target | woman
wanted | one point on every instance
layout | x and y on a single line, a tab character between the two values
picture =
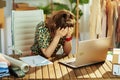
55	32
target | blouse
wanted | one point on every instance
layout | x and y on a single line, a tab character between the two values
43	39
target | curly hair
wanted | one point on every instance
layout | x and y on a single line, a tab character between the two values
60	19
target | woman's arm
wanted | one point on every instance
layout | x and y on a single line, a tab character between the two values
68	42
49	51
67	47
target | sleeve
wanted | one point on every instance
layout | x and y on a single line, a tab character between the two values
42	36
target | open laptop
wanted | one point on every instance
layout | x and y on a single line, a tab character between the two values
89	52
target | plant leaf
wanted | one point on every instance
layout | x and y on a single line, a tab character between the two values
58	6
83	1
46	9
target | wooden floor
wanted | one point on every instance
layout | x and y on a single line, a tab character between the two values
55	71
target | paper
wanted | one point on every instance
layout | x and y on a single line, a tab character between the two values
14	62
36	60
116	70
117	51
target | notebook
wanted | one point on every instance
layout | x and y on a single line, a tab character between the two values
89	52
36	60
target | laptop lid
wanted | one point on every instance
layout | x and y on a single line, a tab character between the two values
90	52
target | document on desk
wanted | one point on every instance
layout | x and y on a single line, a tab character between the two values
36	60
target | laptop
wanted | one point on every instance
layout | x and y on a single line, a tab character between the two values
89	52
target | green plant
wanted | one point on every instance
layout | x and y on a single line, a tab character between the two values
58	6
81	2
46	9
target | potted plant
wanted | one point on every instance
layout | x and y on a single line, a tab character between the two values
58	6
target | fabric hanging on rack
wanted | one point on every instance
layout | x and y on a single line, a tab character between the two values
109	7
118	26
117	29
95	19
112	19
104	18
115	21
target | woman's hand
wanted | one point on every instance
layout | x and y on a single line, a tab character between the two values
51	48
61	32
69	32
67	45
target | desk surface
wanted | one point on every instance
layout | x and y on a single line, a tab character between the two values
58	71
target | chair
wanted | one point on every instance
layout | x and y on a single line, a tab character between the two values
23	28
